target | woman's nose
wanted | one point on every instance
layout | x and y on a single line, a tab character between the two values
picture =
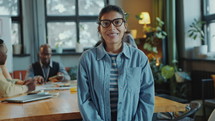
112	26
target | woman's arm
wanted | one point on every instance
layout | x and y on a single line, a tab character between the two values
86	106
8	89
146	101
5	72
8	76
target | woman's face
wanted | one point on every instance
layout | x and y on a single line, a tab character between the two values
3	55
113	33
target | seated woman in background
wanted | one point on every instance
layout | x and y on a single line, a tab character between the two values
8	86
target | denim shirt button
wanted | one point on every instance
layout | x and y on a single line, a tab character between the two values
120	102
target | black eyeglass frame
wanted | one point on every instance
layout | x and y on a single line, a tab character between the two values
111	21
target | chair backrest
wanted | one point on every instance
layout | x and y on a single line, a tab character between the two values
193	107
207	93
19	74
212	116
207	88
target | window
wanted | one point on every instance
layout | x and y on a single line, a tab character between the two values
210	7
12	8
72	21
209	17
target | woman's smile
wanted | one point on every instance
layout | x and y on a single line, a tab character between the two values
112	34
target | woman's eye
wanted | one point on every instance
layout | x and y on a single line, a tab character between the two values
118	22
106	23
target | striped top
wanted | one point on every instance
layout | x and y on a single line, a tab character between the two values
113	83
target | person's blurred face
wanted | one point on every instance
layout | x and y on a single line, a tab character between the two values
112	27
45	55
3	54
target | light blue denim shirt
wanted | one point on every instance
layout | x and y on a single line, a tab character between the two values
135	85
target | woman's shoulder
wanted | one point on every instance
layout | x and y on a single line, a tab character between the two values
88	53
137	53
136	50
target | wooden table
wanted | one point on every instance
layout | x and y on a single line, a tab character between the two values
63	107
166	105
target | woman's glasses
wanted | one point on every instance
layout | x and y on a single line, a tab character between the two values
116	22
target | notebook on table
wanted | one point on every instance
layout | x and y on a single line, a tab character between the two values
28	98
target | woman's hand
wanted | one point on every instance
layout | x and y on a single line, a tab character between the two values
31	84
20	82
60	76
57	78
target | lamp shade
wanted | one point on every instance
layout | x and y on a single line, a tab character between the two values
145	18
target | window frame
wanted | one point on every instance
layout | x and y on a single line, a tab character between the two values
208	18
71	18
18	19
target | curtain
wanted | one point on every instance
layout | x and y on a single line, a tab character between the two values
170	20
166	11
157	10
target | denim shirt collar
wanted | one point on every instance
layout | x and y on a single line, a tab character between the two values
101	52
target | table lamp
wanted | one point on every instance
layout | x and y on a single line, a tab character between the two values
144	19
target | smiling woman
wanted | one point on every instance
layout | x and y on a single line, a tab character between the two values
114	77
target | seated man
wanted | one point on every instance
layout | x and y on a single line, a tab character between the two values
8	86
45	69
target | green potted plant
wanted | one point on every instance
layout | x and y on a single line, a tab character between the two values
196	33
153	34
169	78
58	46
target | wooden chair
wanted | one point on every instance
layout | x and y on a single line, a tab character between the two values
19	74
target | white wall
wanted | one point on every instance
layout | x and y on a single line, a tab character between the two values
67	60
23	63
